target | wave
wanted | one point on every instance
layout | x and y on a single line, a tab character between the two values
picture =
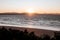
29	22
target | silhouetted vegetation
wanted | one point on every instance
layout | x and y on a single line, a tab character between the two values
11	34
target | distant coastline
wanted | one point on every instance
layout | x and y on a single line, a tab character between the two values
15	13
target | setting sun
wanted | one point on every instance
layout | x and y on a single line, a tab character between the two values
30	10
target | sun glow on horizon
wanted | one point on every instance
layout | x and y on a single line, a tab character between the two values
30	11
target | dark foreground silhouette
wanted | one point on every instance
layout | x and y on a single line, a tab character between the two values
24	35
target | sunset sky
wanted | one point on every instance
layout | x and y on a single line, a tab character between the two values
39	6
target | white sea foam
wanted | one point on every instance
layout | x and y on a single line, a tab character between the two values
24	21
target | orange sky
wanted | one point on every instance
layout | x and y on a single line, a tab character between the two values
38	6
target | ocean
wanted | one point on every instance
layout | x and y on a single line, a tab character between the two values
47	22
